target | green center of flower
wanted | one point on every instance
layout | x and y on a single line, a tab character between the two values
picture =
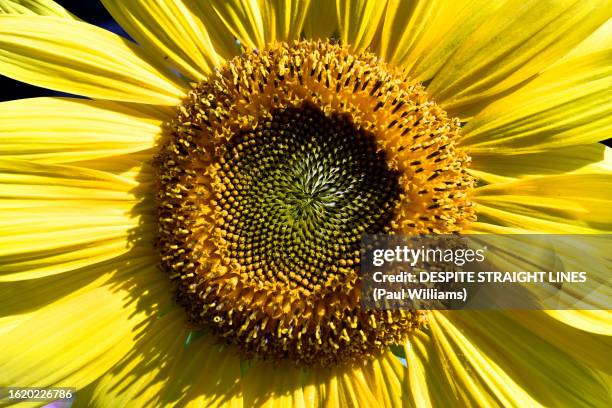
277	165
300	191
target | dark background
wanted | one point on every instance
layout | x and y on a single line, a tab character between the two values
88	10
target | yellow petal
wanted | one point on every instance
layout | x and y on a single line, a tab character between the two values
137	264
593	321
493	168
283	19
435	37
494	46
519	250
493	216
386	376
358	21
475	378
78	58
539	369
377	383
418	374
429	380
602	166
255	23
321	21
268	386
243	19
403	25
600	39
565	106
75	340
162	369
581	200
33	7
58	218
460	374
171	30
584	346
63	130
221	35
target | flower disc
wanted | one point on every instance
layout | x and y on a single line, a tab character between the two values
277	166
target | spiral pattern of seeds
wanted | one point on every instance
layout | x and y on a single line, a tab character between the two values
302	189
277	165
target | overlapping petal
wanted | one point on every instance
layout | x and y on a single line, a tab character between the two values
88	61
358	21
568	203
458	372
539	368
171	30
242	20
495	168
64	130
34	7
583	345
475	56
284	19
567	105
165	368
85	333
403	25
321	21
379	382
57	219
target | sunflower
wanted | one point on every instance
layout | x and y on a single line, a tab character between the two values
188	232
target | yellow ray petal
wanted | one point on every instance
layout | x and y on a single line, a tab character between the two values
283	19
489	215
421	391
267	386
548	374
565	106
386	377
164	368
33	7
46	290
254	23
244	20
403	25
490	166
582	200
584	346
514	249
601	166
63	130
434	38
221	36
355	390
430	379
171	31
377	383
600	39
75	57
321	21
476	379
58	218
491	47
75	340
358	21
594	321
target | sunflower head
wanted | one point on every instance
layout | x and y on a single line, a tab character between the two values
278	164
